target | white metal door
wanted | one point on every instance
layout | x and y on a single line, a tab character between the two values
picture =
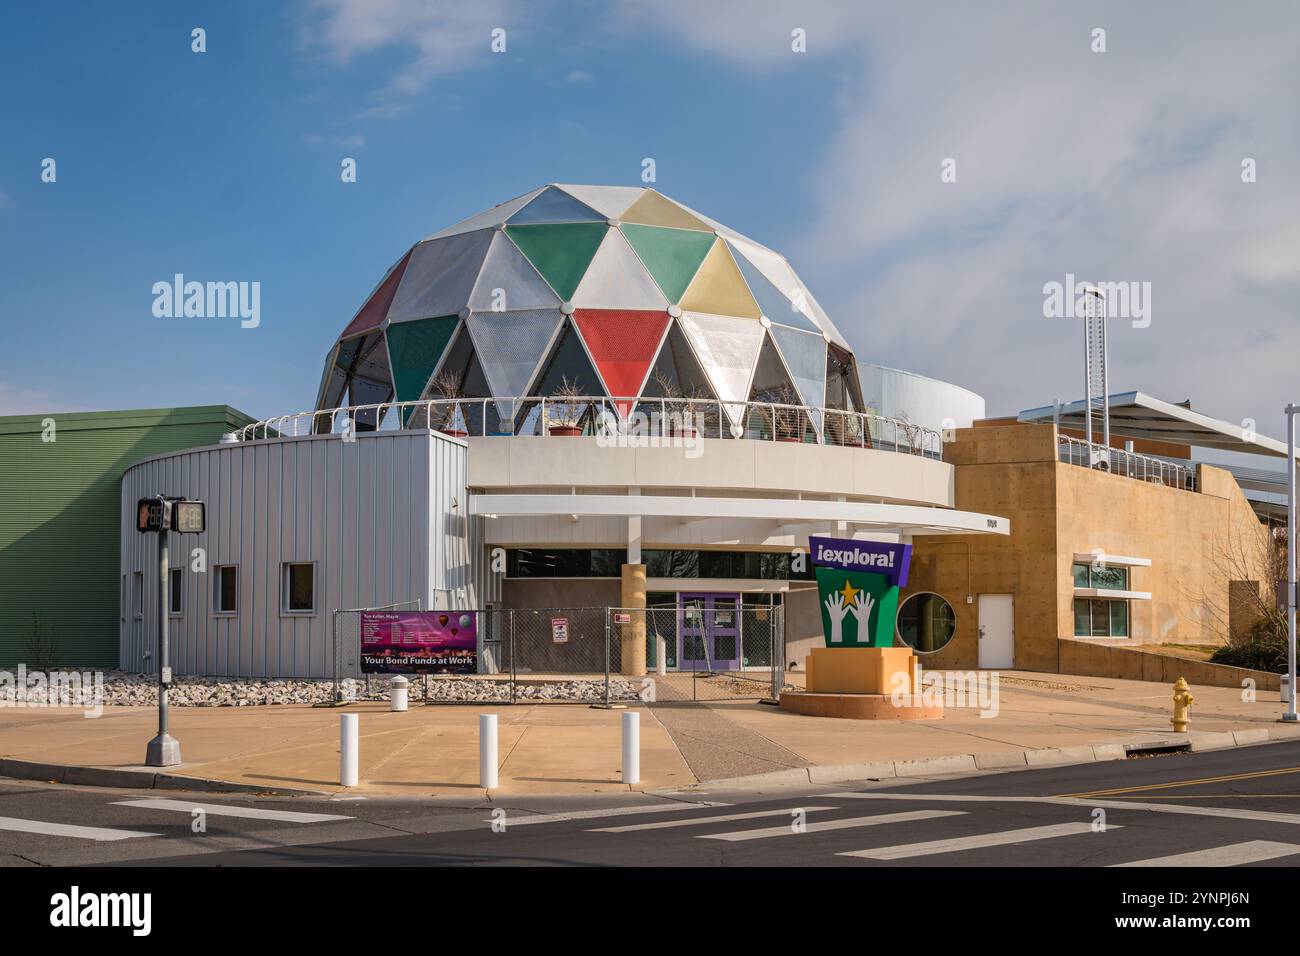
997	632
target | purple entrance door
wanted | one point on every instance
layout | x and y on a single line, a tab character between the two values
708	626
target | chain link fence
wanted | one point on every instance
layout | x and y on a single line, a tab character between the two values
594	655
698	653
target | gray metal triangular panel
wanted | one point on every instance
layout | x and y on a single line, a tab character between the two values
609	201
489	217
440	276
804	354
512	345
506	268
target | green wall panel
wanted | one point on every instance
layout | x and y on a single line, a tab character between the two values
59	521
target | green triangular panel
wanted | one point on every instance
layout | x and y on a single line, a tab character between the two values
561	252
414	349
672	256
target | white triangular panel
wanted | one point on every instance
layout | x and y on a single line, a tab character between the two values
727	349
609	201
491	217
520	285
780	274
616	279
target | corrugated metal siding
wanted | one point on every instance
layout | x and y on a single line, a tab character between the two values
364	512
59	516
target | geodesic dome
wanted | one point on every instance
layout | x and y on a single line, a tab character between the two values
617	289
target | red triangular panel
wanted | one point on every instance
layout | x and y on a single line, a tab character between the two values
373	312
623	343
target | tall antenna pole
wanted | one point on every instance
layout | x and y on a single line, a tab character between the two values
1096	387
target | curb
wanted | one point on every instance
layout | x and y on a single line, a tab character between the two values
967	764
143	779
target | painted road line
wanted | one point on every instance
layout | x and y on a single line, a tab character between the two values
1235	854
905	851
1193	782
69	830
1260	816
737	836
522	819
697	821
228	810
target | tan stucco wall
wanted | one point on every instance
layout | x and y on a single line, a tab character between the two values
1091	659
1057	510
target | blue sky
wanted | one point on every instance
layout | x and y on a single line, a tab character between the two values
225	166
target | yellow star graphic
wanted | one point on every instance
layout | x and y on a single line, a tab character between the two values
850	593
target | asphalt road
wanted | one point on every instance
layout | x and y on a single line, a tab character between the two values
1238	807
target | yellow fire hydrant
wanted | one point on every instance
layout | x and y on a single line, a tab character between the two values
1182	700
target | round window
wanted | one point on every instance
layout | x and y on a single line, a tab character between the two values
926	623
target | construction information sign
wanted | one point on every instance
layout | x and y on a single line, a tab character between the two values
419	642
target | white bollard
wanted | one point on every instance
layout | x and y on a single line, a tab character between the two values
397	691
631	747
487	751
349	749
661	655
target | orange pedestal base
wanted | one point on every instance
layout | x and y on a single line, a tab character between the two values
855	707
859	683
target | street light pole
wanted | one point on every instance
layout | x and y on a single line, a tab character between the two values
164	750
1291	410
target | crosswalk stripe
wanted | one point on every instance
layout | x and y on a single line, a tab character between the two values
1234	854
737	836
905	851
696	821
100	834
523	819
227	810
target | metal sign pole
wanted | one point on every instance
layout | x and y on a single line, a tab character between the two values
1291	410
164	750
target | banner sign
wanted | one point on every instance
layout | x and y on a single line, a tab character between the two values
857	584
891	560
419	642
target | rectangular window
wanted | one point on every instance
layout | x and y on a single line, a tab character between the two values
175	591
1082	618
1118	618
122	598
299	588
1100	618
225	600
1110	579
139	594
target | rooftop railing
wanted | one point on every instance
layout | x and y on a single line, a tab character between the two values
1076	451
658	419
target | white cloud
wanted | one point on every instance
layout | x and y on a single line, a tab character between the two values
437	36
578	76
1114	166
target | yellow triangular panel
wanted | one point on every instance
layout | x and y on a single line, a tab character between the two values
719	288
653	209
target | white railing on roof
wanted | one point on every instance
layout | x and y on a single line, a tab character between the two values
677	418
1076	451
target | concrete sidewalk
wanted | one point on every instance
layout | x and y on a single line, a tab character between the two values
557	748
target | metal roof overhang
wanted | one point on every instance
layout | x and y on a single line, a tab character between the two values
1137	415
913	519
